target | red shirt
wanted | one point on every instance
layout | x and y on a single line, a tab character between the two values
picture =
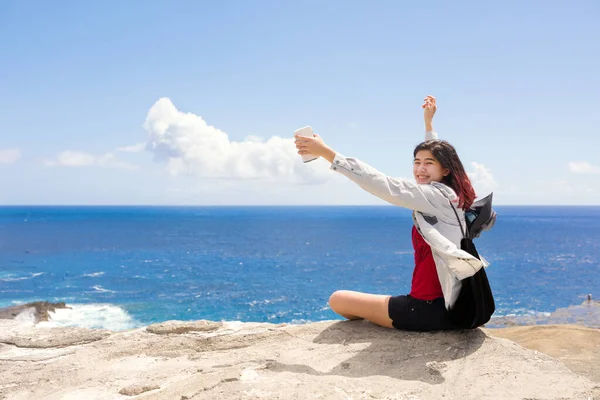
425	281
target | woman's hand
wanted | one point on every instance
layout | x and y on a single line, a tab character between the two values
315	146
429	108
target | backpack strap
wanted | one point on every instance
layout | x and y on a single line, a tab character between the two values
462	231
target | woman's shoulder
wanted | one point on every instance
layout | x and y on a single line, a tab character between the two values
444	193
445	190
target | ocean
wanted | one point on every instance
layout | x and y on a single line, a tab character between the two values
124	267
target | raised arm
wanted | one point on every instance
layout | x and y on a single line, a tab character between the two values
429	109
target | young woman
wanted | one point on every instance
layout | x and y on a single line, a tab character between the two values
438	199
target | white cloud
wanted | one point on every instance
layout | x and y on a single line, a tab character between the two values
70	158
9	156
482	179
189	146
583	167
136	148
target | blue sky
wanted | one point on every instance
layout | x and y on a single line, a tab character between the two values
148	102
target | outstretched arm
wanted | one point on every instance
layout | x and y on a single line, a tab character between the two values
399	192
429	109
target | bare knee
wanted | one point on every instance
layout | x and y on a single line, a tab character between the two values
338	301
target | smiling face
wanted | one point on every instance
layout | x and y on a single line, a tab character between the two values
427	169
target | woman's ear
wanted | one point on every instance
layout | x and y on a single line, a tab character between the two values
446	172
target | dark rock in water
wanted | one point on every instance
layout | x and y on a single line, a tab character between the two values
42	308
585	314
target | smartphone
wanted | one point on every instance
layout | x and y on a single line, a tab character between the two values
308	132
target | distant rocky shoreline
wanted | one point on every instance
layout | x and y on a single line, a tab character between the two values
585	314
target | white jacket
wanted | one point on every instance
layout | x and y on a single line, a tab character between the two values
433	216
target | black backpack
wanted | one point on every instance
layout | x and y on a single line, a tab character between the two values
475	304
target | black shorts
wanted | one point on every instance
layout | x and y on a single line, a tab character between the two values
410	314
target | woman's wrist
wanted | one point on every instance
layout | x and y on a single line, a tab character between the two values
328	154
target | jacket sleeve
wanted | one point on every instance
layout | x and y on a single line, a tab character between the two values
399	192
431	135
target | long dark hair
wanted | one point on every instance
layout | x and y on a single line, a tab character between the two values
457	179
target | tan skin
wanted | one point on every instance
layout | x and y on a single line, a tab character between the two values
426	169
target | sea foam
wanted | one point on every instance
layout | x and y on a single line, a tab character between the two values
93	316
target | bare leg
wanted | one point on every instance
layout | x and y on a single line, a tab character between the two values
357	305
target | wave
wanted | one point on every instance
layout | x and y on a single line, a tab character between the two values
92	316
100	289
26	317
522	312
21	278
300	321
278	315
267	301
94	274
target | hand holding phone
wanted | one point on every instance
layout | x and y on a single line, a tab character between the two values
307	131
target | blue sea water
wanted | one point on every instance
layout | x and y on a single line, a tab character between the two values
122	267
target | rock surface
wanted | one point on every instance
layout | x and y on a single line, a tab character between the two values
577	347
325	360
